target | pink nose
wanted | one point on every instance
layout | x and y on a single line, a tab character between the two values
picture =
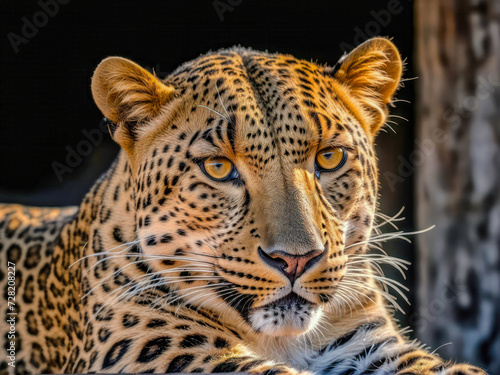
293	266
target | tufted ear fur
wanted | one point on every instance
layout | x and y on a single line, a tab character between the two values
128	95
372	72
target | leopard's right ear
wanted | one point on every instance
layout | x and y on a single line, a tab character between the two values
128	95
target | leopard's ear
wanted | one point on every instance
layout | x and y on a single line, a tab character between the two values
128	95
372	73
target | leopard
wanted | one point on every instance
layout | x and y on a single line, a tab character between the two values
232	233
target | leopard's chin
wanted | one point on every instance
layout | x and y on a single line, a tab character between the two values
291	315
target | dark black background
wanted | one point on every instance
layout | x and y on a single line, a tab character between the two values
45	86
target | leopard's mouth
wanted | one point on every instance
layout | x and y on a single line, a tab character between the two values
287	301
287	316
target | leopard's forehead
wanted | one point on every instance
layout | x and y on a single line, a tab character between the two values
273	101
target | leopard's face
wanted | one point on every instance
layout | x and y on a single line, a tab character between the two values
253	183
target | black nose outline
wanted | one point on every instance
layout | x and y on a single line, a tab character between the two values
281	264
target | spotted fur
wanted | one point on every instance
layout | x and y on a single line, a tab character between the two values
162	269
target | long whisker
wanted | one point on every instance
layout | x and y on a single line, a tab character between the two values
106	252
222	104
390	219
193	268
389	236
356	284
392	283
214	111
149	257
376	259
202	286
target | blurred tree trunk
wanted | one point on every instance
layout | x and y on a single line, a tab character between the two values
457	157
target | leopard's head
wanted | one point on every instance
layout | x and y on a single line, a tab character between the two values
254	174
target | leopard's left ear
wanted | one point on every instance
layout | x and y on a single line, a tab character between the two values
371	74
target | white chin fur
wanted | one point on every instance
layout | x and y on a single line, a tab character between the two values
285	318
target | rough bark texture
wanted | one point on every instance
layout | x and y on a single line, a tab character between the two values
458	183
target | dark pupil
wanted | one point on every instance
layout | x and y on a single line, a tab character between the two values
217	166
327	155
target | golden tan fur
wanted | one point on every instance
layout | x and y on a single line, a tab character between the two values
165	269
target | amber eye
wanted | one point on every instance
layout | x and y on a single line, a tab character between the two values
220	169
330	159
